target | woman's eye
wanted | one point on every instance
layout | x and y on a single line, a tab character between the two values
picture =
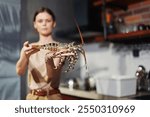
40	21
48	20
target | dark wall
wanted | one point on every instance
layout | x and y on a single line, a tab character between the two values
62	9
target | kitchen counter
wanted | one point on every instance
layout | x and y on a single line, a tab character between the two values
80	93
93	95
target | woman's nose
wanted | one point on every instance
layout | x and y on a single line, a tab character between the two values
44	23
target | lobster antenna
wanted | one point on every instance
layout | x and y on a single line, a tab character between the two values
81	37
82	42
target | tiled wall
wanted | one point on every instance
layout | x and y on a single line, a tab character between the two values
109	59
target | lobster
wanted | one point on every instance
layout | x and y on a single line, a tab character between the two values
69	47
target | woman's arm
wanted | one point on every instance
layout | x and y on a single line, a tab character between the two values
22	63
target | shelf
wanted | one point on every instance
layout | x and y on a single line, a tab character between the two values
127	2
130	35
99	2
116	4
138	35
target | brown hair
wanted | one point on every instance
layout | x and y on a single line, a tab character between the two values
44	9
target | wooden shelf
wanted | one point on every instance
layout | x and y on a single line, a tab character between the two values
138	35
127	2
99	2
130	35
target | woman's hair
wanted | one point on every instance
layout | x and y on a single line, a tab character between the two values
44	9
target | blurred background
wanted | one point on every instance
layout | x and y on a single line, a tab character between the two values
116	36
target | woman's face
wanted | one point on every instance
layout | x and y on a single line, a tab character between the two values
44	23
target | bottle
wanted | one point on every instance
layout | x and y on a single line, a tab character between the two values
111	29
120	25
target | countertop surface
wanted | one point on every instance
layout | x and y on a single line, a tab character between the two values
80	93
93	95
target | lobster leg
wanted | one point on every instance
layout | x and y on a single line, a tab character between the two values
70	63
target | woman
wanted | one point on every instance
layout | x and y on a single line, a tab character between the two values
43	77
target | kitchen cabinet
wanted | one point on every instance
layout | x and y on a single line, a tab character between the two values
133	37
